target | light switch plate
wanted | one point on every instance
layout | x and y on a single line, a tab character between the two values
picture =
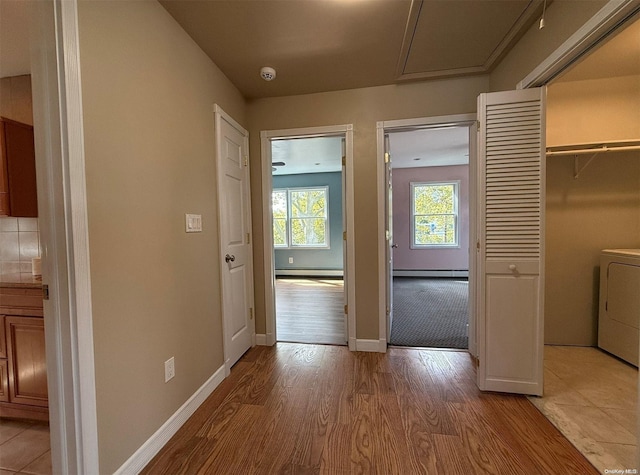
193	223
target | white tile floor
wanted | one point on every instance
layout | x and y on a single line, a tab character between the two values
592	398
24	448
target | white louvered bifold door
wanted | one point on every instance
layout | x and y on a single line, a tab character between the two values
511	174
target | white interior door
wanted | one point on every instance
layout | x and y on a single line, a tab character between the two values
235	249
511	172
389	232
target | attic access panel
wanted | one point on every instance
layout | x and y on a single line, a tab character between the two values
447	38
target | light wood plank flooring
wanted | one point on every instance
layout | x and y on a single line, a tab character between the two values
310	310
321	409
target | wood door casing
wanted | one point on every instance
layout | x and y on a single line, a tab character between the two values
27	360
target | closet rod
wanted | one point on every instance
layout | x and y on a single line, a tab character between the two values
585	151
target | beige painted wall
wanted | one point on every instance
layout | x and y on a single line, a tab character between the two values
148	95
599	210
562	19
594	110
15	98
362	108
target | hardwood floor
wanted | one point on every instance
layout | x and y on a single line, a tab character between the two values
321	409
310	310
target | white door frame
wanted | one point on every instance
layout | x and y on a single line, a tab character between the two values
267	230
63	224
384	127
219	116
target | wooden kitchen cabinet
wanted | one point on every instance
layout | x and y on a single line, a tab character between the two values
18	193
23	368
27	360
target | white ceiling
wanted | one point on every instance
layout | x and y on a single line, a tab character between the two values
429	147
310	155
409	149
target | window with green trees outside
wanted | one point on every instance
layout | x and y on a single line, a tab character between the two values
434	211
300	217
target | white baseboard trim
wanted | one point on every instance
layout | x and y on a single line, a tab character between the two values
310	272
265	339
376	346
152	446
431	273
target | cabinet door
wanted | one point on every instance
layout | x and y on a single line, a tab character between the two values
27	360
21	168
4	180
4	381
3	339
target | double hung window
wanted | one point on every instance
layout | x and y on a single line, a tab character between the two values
434	214
300	217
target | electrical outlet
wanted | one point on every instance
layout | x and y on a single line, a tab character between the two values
291	260
169	369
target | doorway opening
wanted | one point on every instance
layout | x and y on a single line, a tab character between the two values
308	191
428	226
429	230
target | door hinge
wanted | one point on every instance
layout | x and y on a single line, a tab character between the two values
386	157
478	245
388	311
346	309
344	235
344	161
248	238
250	313
246	161
45	292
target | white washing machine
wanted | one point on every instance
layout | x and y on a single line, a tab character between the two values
619	316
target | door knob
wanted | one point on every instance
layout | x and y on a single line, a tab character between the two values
229	258
395	246
512	267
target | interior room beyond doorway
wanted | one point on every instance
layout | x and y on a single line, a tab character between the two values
308	223
428	182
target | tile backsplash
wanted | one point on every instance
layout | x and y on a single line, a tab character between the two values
19	243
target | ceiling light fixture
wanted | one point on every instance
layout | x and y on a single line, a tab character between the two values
267	73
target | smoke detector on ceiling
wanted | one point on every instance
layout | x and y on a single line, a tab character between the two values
267	73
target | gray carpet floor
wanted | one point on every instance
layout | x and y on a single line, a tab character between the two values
431	313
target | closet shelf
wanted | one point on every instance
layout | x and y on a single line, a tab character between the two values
595	147
592	149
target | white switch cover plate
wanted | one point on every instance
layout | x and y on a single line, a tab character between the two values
193	223
169	369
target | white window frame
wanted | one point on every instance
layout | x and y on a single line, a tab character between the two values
288	227
456	199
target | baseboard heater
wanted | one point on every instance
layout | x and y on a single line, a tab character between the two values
431	273
310	272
